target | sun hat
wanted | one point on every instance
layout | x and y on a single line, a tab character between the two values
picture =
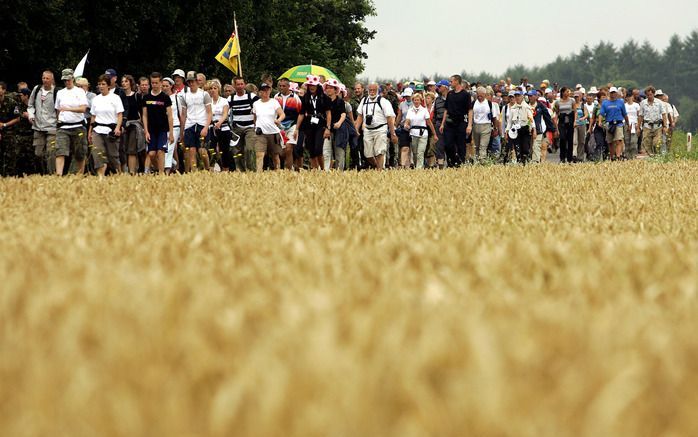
67	74
178	72
593	90
431	82
659	93
579	85
293	86
407	92
334	83
311	80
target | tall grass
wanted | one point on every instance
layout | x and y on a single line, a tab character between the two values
499	301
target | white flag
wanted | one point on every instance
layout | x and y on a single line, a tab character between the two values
80	69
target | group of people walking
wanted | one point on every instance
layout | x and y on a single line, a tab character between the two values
184	122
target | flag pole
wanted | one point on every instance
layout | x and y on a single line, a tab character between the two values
237	36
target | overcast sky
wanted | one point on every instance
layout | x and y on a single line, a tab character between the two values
428	36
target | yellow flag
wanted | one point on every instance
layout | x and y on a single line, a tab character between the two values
230	54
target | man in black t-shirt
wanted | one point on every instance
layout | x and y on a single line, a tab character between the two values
457	122
157	122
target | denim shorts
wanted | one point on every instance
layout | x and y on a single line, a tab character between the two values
192	137
158	142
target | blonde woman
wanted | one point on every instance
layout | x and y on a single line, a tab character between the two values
417	120
219	131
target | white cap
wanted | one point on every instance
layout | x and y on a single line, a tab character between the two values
431	82
178	72
582	90
407	92
613	90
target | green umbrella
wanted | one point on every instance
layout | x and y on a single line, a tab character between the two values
299	73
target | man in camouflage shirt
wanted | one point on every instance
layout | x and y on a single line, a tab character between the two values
9	117
27	162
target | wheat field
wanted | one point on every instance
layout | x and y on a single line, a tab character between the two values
486	301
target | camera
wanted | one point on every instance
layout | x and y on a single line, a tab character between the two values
369	119
258	131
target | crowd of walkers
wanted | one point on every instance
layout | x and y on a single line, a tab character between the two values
185	122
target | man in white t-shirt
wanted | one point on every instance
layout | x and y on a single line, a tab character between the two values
374	113
268	116
71	136
485	123
196	118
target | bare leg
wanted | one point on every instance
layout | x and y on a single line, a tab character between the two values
191	161
80	165
133	164
60	163
405	157
380	160
277	162
260	162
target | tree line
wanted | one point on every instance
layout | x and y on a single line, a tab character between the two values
138	37
632	65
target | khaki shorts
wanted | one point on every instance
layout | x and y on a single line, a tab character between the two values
72	142
375	143
105	150
618	135
41	140
268	143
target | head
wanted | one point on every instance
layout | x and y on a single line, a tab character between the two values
68	78
143	85
178	81
83	83
323	79
103	82
590	98
649	92
251	88
331	91
113	77
228	90
47	80
268	79
201	79
665	98
417	100
577	96
239	84
456	81
429	98
24	94
613	92
373	90
214	87
264	91
284	86
388	86
167	84
518	98
358	89
21	86
156	81
192	81
481	93
564	93
128	83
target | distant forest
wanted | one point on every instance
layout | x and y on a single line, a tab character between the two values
675	71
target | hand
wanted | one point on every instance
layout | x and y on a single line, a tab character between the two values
147	136
32	119
326	135
556	134
25	114
441	129
204	132
170	137
393	138
468	130
118	131
218	125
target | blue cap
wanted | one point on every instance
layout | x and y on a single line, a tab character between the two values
533	93
110	72
518	93
443	82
